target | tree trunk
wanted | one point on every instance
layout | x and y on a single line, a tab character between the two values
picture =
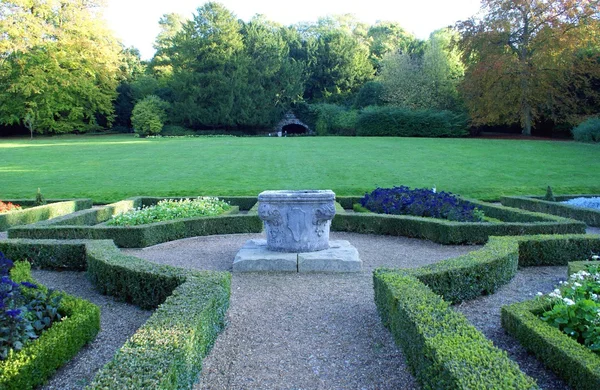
526	113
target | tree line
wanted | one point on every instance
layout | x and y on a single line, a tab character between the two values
527	63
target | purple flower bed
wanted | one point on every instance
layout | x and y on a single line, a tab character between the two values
421	202
23	314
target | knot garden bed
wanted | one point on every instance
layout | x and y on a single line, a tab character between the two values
441	346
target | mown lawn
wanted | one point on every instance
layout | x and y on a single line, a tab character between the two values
109	168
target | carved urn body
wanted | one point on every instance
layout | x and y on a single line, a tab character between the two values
297	221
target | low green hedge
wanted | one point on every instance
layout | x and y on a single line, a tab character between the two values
88	224
190	307
516	222
407	301
40	358
572	361
41	213
442	348
538	204
167	351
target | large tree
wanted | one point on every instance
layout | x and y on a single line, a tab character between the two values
59	65
427	81
208	68
337	58
520	57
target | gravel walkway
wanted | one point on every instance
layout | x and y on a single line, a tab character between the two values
118	322
298	331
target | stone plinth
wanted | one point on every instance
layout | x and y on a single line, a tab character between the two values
255	256
297	221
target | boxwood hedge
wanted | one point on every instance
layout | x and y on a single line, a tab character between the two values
88	224
442	348
573	362
515	222
40	358
538	204
167	351
438	342
40	213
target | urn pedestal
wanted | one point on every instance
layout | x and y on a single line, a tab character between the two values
297	221
297	236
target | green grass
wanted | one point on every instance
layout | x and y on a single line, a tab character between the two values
110	168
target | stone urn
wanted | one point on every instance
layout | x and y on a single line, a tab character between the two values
297	221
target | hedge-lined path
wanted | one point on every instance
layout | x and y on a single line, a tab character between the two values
319	331
118	322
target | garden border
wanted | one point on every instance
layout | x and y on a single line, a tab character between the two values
573	362
87	224
39	359
517	222
167	351
411	304
539	204
54	208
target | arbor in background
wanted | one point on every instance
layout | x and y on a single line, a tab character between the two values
427	81
522	59
58	65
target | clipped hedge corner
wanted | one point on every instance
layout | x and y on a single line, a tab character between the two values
442	349
538	204
40	358
439	343
572	361
167	351
42	213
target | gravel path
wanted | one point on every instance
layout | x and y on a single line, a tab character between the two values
303	331
118	322
484	314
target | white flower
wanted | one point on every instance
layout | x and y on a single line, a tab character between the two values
595	257
568	301
539	294
594	296
577	284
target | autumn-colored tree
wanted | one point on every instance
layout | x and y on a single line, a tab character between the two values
59	65
520	57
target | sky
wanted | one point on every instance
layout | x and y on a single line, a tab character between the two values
135	22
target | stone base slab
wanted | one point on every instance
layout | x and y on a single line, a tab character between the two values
255	257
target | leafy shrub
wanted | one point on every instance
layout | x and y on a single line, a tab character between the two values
8	206
549	195
170	209
587	131
420	202
149	115
332	119
25	311
39	198
402	122
576	309
369	95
